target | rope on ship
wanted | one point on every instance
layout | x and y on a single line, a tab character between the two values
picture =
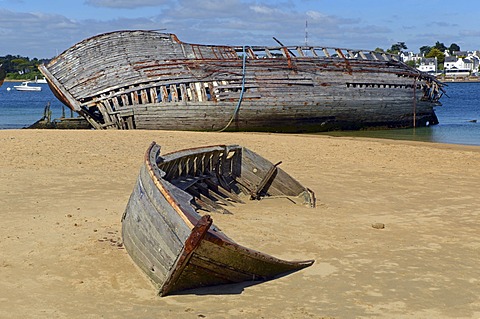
237	108
415	102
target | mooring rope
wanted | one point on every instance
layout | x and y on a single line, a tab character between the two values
415	102
237	108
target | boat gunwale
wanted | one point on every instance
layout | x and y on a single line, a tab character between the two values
152	169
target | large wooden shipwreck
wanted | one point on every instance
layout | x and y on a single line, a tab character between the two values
179	248
152	80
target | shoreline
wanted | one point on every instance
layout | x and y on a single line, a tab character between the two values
414	135
63	193
333	134
15	81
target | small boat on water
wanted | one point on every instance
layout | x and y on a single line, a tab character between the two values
174	244
42	81
26	87
152	80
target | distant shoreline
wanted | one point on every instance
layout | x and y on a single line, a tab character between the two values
444	78
14	81
463	80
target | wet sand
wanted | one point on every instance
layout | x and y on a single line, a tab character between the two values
62	195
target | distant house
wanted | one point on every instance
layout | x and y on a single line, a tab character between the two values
461	53
450	61
428	65
410	56
468	63
457	64
458	67
475	60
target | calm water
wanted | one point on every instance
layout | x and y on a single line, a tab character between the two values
456	115
19	109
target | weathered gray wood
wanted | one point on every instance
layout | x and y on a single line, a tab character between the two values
157	70
175	246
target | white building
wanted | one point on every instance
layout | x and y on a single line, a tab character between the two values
410	56
458	67
428	65
458	64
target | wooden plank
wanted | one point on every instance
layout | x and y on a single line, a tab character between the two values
164	94
212	193
206	203
256	193
220	189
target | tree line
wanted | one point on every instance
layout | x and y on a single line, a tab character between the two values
17	67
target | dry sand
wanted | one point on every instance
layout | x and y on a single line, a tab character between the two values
62	194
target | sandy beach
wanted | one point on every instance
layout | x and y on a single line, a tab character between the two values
62	195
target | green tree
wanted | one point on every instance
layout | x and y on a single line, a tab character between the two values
436	53
440	46
21	65
425	49
453	47
397	48
412	63
21	68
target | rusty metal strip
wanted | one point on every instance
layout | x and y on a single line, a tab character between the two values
193	241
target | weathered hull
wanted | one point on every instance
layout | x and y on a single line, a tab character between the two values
179	249
299	118
149	80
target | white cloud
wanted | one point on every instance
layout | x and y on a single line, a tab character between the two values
262	9
237	22
126	3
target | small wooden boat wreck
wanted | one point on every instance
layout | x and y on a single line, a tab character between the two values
61	123
2	75
180	249
152	80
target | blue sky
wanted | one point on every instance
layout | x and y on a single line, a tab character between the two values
45	28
